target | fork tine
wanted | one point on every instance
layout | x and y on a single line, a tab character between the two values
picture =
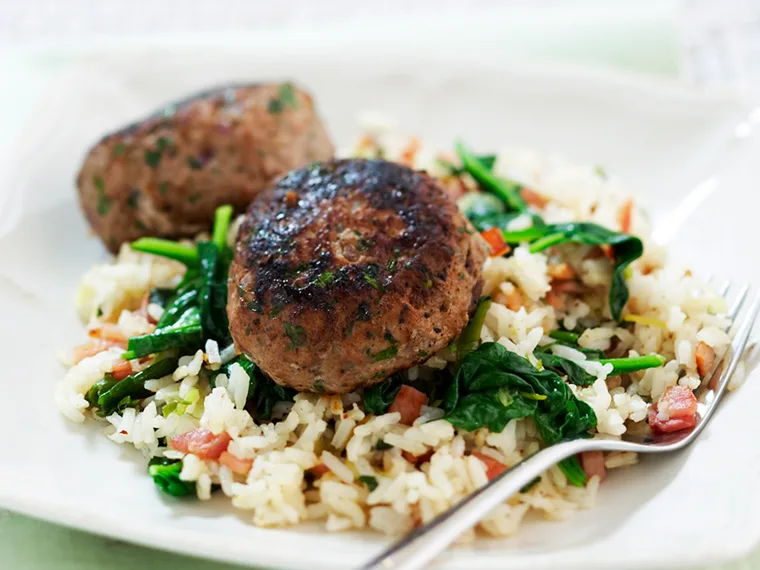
724	288
737	348
738	302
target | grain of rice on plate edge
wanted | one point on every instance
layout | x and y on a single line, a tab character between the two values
326	457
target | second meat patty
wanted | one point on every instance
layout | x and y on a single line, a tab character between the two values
348	271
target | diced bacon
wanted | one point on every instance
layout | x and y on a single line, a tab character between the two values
608	252
624	216
108	332
235	464
91	348
495	239
669	425
121	369
493	468
202	442
513	300
680	404
533	198
556	300
510	297
567	287
705	358
417	459
561	288
593	464
561	271
409	403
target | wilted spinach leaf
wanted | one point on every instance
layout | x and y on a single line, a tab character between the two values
213	293
378	398
263	392
111	397
625	248
574	372
494	386
165	473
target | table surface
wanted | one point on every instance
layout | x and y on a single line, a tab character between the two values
587	32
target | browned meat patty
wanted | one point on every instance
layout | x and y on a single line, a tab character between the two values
164	176
348	271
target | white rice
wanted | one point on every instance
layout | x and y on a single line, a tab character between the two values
318	459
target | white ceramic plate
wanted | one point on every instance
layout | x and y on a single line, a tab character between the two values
696	508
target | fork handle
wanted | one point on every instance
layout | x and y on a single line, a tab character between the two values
419	547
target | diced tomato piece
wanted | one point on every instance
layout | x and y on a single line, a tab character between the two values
121	369
493	468
624	216
417	459
91	348
235	464
533	198
593	464
495	239
202	442
409	403
705	358
682	410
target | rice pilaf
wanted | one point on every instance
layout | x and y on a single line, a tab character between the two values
325	457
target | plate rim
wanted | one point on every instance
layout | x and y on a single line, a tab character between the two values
108	526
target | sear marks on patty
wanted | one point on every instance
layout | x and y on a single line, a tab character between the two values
348	271
165	175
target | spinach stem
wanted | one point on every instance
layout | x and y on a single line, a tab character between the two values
186	254
633	364
565	336
508	192
222	218
528	234
547	241
468	340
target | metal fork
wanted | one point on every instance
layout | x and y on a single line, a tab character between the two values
420	546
